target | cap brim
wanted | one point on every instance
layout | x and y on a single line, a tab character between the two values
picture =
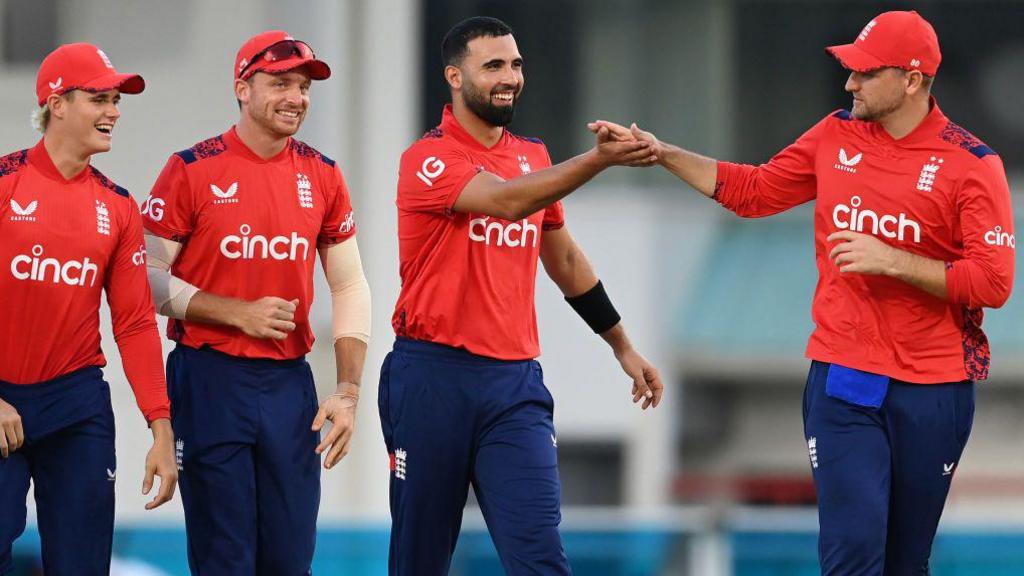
125	83
853	58
317	69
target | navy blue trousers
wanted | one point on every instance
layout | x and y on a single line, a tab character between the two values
69	457
248	471
882	474
452	419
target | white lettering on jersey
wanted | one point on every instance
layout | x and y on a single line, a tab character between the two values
24	214
259	247
139	258
860	220
154	208
999	238
432	168
39	269
348	223
514	234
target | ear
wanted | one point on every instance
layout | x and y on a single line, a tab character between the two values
242	91
57	105
453	75
915	81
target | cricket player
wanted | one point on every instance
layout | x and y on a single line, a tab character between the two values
913	238
462	400
234	225
67	234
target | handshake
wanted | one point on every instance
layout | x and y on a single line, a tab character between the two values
621	146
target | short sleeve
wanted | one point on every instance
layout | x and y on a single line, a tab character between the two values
554	216
169	212
430	179
339	221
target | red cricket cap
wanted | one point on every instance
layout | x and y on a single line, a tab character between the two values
897	39
258	55
82	66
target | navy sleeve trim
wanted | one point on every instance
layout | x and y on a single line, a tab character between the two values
13	162
206	149
305	150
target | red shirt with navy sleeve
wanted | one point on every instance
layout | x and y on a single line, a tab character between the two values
249	228
64	242
468	279
939	192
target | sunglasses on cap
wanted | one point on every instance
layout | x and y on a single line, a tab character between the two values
278	52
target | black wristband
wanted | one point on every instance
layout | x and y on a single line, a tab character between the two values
595	308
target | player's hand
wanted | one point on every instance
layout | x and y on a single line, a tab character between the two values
268	317
613	152
161	462
622	134
862	253
340	409
12	434
646	380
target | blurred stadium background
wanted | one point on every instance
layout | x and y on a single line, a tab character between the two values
713	483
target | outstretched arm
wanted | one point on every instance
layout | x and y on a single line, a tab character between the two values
567	265
515	199
696	170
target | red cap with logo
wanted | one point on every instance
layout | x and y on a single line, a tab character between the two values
82	66
275	51
892	39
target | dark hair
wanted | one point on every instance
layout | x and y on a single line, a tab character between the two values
456	41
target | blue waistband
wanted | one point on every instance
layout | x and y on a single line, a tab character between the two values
210	354
72	381
425	349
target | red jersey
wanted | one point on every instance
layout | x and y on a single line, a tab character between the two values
250	228
64	242
940	193
468	279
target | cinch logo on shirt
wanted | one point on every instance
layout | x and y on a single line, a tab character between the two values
39	269
999	238
515	234
888	225
260	247
139	258
24	214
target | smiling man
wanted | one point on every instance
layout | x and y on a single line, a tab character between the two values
462	400
233	226
913	237
67	234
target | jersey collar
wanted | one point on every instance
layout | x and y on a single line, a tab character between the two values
450	125
39	157
235	143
